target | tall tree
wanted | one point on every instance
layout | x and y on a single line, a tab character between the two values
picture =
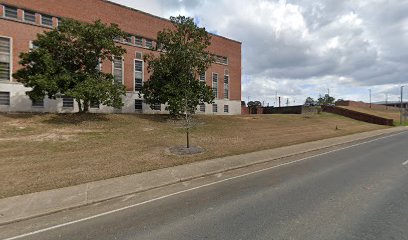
65	61
175	71
310	101
326	100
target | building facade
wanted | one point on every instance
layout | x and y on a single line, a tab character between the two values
22	20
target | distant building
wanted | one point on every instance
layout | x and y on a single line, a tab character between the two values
22	20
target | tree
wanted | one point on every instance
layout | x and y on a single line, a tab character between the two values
310	102
65	62
326	100
254	104
175	71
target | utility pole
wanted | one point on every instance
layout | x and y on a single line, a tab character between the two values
370	96
276	98
279	101
386	101
287	102
401	109
328	92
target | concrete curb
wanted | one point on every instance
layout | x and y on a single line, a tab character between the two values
27	206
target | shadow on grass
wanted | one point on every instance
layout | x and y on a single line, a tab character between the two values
20	115
76	118
161	118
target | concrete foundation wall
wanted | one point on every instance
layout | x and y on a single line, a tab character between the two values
20	102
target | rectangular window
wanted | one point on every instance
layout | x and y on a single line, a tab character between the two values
5	59
67	102
215	84
156	107
202	77
138	75
5	98
128	39
202	107
29	16
149	43
215	108
226	84
226	109
37	102
139	41
221	60
118	70
10	12
94	104
138	104
46	20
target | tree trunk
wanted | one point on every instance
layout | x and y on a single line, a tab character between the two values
188	137
79	105
86	106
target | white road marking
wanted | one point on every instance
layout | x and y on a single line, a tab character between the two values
405	163
194	188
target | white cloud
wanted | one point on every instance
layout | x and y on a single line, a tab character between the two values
301	48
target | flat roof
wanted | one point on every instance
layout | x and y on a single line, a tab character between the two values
161	18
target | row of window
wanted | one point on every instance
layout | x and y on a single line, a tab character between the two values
68	102
28	16
202	78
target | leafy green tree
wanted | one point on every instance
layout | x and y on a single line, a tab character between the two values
174	72
65	62
326	100
254	104
310	102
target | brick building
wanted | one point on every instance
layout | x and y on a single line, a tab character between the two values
21	20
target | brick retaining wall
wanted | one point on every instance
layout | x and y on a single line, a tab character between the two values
359	116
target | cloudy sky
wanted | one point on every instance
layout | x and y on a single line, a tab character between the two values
303	48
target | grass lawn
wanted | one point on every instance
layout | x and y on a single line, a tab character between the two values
391	113
47	151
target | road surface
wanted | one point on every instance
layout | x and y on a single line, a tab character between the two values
359	192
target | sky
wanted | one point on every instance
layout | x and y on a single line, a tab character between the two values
299	48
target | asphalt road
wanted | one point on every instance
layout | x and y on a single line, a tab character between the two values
356	193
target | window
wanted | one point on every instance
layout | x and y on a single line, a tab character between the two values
226	84
226	108
202	77
94	104
156	107
215	84
46	20
37	102
128	39
138	75
149	43
139	41
5	98
138	104
10	12
29	16
118	70
221	60
5	59
67	102
215	108
202	107
32	46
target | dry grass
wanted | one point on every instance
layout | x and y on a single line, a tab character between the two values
40	152
391	113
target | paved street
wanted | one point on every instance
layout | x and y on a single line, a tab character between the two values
360	192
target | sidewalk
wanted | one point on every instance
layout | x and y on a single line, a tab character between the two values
41	203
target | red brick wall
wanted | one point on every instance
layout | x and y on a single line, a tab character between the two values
129	20
359	116
363	105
